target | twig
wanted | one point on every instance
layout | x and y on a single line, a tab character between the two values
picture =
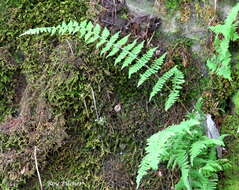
70	47
215	5
36	164
93	96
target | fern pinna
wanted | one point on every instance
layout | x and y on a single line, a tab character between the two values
220	63
186	147
128	55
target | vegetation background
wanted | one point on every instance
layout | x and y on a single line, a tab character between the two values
88	121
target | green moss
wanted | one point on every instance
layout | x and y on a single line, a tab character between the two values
6	88
231	126
172	5
235	100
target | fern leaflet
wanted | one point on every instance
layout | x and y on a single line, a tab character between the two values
141	62
152	70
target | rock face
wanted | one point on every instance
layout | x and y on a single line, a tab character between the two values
188	20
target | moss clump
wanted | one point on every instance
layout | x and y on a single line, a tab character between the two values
7	68
230	126
172	5
235	100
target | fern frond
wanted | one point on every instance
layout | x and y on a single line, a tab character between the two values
104	36
160	83
118	45
129	53
133	55
96	34
211	167
126	51
141	62
199	146
156	147
232	15
110	43
37	31
152	70
220	63
177	81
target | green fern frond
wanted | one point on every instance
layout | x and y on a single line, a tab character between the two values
126	51
177	81
141	62
199	146
37	31
110	43
96	34
152	70
160	83
118	46
211	167
233	15
133	55
105	34
156	151
220	63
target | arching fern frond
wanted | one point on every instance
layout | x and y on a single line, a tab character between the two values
128	54
186	147
205	142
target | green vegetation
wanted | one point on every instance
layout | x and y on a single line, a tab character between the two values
68	106
172	4
185	146
220	62
236	102
230	126
6	84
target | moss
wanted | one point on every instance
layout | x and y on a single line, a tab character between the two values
235	100
172	5
230	179
7	69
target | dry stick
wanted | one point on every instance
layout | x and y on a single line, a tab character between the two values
70	47
215	5
93	96
36	164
